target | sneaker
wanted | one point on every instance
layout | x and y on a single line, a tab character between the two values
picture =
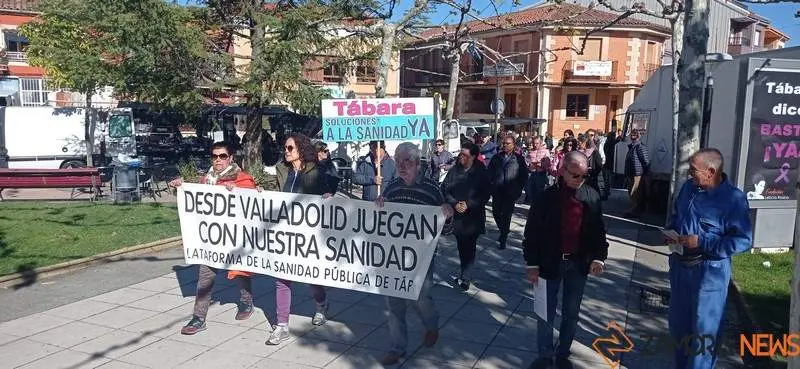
431	336
391	358
279	334
464	284
321	315
244	310
542	363
195	325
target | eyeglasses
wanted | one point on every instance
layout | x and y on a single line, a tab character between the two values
577	176
220	156
508	143
289	148
439	145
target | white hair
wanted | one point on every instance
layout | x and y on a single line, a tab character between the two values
409	149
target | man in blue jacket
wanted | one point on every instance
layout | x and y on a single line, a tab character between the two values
711	218
366	173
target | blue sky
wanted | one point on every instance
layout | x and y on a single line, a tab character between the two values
781	14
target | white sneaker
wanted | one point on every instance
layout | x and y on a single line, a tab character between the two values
321	316
278	335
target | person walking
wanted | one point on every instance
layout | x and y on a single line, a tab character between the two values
366	173
297	173
508	175
327	169
465	189
637	167
441	161
223	172
712	219
538	162
565	240
412	188
587	147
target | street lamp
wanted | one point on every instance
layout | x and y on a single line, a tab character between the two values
708	94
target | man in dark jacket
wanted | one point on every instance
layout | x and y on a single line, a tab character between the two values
508	175
637	166
465	189
441	161
565	240
366	173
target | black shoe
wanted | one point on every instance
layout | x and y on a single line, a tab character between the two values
195	325
243	310
542	363
502	241
563	363
464	284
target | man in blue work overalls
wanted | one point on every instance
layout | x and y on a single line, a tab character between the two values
711	218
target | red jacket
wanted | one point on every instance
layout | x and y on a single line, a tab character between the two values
242	180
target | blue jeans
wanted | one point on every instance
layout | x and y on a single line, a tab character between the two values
574	281
398	327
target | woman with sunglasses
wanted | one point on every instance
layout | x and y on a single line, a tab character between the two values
327	169
223	172
298	173
570	144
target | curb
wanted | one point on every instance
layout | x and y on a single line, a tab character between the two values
69	266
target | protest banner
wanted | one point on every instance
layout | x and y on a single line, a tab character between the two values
378	119
335	242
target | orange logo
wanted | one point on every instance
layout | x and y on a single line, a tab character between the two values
611	348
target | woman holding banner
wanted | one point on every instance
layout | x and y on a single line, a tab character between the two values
297	173
223	172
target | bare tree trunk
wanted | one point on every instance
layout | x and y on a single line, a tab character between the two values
677	47
455	70
691	69
384	62
88	131
252	146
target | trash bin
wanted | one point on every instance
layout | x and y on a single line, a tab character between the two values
125	182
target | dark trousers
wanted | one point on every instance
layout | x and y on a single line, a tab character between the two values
574	282
205	284
502	210
467	245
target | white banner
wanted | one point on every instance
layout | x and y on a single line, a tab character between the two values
335	242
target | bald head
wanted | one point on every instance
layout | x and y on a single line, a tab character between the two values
576	158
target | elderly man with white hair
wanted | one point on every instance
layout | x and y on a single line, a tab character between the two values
711	217
565	240
410	187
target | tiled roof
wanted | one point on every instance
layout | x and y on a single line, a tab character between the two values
548	15
20	5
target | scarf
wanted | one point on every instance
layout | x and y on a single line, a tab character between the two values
229	173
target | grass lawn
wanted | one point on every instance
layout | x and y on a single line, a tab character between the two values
766	290
36	234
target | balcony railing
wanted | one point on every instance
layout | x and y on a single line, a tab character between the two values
738	45
590	71
649	69
17	56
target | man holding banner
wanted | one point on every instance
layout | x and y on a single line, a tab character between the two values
412	188
371	175
223	172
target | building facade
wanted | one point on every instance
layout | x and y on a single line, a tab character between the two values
567	83
732	27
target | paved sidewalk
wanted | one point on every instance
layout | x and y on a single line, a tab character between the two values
490	326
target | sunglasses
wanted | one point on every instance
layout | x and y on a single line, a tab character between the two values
577	176
289	148
220	156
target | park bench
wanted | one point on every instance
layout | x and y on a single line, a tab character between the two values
73	178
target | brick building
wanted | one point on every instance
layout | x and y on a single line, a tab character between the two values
567	89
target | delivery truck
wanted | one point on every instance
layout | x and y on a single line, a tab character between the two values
754	113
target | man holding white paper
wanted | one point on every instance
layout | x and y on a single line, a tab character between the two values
711	218
577	247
